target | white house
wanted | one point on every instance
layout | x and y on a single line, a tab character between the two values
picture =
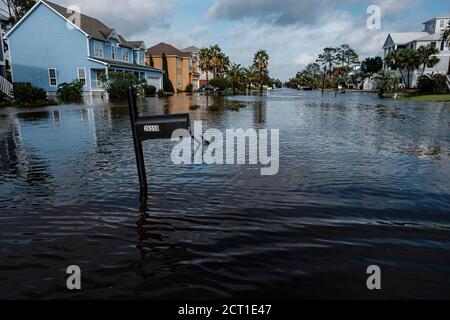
431	35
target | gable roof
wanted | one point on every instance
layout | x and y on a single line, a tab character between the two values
90	26
192	49
403	38
168	49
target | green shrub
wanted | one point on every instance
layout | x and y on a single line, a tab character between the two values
432	83
149	90
117	84
189	88
160	93
220	83
26	94
70	92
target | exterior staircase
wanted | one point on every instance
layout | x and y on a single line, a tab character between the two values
6	87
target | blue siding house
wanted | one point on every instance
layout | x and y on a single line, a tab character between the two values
52	44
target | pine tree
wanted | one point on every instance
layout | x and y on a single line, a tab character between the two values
168	86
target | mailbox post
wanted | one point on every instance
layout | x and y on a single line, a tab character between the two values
151	128
137	143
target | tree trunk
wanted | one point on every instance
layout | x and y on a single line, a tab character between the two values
261	79
409	76
403	76
323	80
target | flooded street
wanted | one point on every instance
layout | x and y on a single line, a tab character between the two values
362	181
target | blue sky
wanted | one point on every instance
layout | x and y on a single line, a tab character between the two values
292	31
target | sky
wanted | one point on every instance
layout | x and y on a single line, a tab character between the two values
293	32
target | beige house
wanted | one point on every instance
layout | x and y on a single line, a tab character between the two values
181	66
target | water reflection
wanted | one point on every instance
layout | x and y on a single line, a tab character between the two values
356	177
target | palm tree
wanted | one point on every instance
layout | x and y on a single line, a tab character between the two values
412	61
234	73
261	61
427	57
205	61
395	61
223	65
386	80
216	58
250	76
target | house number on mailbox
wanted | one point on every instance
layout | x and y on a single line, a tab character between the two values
151	128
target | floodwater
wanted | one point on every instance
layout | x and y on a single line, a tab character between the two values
362	182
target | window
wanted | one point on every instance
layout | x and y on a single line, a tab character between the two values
178	63
81	74
141	57
125	56
179	84
98	49
433	44
442	24
442	45
52	77
113	52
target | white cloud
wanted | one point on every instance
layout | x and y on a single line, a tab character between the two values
129	17
198	32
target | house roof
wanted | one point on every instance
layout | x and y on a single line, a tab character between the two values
406	37
431	37
168	49
126	65
437	18
92	27
192	49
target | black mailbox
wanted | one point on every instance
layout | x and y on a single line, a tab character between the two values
161	127
147	128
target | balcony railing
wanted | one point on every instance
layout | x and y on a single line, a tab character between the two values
97	85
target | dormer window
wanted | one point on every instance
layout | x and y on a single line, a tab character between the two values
125	56
98	49
113	52
141	57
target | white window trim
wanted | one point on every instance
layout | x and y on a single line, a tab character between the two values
50	79
96	44
85	75
125	51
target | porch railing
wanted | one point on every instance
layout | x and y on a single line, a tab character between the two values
6	87
97	84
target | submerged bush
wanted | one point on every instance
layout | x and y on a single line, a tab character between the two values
117	84
27	95
432	83
149	90
189	88
70	92
220	83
